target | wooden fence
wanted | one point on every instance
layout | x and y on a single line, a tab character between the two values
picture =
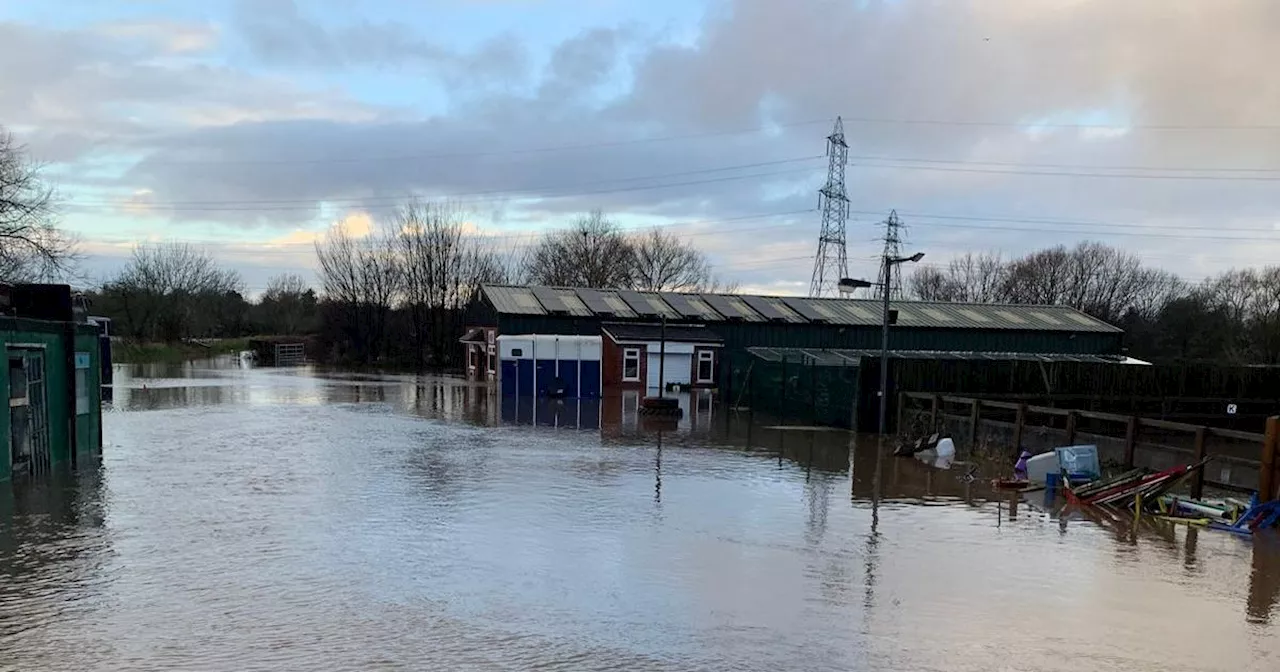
1125	433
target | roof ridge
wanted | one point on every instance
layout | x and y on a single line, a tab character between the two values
1079	321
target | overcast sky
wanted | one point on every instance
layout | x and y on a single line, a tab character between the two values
253	126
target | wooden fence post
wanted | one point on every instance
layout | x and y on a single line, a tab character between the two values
1130	441
935	414
1197	479
1018	424
1071	428
975	418
902	408
1267	474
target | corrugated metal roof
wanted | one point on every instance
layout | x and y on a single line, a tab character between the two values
806	356
844	312
513	300
654	332
840	357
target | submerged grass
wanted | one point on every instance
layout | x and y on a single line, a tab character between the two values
129	352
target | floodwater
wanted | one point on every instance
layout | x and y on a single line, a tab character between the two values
296	520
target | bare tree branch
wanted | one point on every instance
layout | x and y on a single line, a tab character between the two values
592	252
32	247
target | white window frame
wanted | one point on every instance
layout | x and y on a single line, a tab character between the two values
708	356
631	353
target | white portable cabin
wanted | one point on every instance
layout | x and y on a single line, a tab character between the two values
541	365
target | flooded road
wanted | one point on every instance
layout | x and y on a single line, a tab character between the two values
292	520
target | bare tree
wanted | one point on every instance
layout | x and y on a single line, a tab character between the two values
662	262
592	252
442	269
975	278
1041	277
931	284
172	291
361	278
287	304
32	247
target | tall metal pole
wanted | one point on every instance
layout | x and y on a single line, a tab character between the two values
831	263
662	357
884	345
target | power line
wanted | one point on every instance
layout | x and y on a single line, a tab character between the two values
710	134
1068	166
231	206
1100	233
1065	222
400	199
1036	124
1061	173
505	152
268	247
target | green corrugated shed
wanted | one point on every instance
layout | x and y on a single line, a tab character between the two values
71	378
824	388
788	310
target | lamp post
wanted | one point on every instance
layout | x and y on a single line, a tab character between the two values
889	263
851	285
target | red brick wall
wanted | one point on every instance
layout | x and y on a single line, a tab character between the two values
611	365
481	354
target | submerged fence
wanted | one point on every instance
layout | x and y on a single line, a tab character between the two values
812	389
1241	460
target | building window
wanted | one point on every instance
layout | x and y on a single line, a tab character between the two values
706	366
82	391
631	365
517	352
471	357
489	357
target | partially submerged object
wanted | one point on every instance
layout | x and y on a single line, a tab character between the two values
1078	462
919	445
1142	492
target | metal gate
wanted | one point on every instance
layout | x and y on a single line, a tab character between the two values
290	354
28	413
38	404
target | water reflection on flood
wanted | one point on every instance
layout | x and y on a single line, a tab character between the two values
297	519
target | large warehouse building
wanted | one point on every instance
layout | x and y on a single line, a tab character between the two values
706	332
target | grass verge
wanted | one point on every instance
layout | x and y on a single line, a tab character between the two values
127	352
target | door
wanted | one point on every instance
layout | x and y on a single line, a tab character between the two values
19	418
37	415
679	368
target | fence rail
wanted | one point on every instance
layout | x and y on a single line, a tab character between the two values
1232	447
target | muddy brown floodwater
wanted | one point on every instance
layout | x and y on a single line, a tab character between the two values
293	520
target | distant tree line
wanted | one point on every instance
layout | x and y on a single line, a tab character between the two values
399	296
594	251
1232	318
170	292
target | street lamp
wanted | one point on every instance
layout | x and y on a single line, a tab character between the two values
851	285
889	263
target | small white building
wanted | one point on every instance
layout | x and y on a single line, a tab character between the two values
549	366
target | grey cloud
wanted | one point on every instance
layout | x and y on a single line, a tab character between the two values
80	90
1156	62
276	32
